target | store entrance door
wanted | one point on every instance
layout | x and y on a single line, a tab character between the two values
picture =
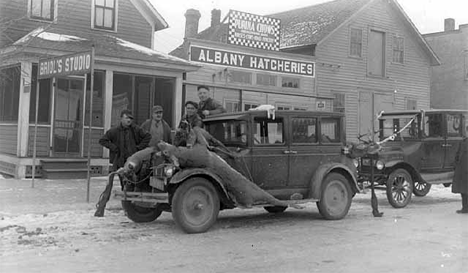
68	117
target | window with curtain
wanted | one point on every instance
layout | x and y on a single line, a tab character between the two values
355	45
42	9
104	14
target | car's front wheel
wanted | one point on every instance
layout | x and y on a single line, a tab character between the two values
399	188
335	199
195	205
421	188
141	214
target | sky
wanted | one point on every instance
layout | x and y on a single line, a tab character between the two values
427	15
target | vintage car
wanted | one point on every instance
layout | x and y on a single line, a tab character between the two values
296	156
417	149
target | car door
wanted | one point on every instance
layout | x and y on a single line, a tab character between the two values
454	136
433	143
269	152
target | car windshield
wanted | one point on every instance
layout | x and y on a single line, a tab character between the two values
230	133
395	125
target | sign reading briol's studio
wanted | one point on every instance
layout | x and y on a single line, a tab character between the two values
242	60
252	30
74	64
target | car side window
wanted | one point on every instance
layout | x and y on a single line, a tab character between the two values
304	130
454	124
330	130
433	125
268	131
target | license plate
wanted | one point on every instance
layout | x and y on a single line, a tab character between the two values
157	183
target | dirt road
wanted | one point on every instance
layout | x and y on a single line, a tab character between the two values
426	236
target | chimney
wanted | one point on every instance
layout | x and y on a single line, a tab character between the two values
215	17
449	24
192	17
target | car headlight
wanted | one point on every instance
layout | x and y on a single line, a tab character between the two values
356	162
169	171
379	165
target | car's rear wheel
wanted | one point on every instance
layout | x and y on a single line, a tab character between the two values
421	188
335	199
195	205
141	214
275	209
399	188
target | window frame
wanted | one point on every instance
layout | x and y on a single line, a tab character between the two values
402	50
336	100
53	17
243	75
350	53
273	79
292	79
115	15
234	102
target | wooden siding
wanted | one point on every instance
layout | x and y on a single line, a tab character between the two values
75	16
223	89
338	72
8	139
42	141
96	148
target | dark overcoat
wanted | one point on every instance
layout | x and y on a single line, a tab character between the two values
460	177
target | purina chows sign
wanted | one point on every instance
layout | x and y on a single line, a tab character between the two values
252	30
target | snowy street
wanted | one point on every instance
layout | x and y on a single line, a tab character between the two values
51	228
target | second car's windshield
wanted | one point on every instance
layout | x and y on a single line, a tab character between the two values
396	126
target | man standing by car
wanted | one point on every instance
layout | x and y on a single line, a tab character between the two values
157	127
460	177
207	105
124	140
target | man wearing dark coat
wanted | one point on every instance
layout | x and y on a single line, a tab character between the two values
460	177
208	106
190	120
124	140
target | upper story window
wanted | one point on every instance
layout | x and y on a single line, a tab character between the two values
105	13
240	77
355	45
264	79
290	82
339	102
398	49
42	9
376	54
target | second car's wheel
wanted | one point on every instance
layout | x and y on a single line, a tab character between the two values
275	209
195	205
140	214
399	188
335	199
421	188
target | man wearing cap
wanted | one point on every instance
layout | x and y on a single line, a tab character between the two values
124	140
189	120
208	106
157	127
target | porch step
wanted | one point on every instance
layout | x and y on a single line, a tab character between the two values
64	168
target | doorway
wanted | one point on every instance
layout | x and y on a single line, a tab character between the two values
68	117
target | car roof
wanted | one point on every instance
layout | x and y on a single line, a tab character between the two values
414	112
262	113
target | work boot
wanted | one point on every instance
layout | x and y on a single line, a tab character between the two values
464	204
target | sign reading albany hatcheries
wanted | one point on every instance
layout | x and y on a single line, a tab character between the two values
73	64
249	61
252	30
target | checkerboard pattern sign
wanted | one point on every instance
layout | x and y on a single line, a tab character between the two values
252	30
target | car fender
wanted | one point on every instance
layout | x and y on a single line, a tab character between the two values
321	173
185	174
402	164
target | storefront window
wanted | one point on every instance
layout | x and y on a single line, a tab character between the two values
98	99
121	97
9	93
44	99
